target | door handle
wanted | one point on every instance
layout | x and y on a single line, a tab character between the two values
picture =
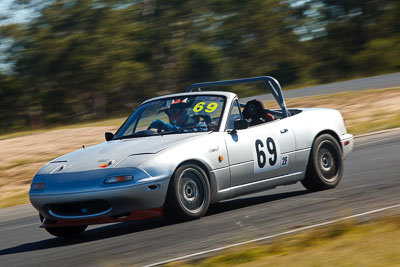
284	131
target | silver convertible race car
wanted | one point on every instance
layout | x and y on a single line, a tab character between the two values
178	153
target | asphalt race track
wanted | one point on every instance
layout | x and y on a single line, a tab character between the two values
371	181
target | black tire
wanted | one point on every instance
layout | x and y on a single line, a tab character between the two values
325	165
188	194
67	231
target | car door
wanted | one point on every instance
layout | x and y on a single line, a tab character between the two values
258	153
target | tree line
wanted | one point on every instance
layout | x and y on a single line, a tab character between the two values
92	59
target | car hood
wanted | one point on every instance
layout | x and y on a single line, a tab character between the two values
110	154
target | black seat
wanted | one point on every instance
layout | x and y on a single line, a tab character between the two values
255	113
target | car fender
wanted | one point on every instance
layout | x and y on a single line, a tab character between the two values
208	150
311	123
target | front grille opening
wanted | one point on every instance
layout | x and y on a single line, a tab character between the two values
80	208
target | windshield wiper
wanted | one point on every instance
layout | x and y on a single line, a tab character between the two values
125	137
137	134
188	129
174	131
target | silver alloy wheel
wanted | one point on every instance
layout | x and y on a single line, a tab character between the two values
325	166
191	188
327	161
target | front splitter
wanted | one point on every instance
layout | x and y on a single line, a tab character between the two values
133	216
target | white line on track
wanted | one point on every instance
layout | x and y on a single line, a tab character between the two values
270	236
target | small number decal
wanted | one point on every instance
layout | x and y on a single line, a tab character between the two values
285	160
209	109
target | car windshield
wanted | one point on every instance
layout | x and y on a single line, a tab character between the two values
181	114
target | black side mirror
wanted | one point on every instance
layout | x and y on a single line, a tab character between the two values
109	136
240	124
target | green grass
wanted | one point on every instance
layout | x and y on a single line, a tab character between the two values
375	243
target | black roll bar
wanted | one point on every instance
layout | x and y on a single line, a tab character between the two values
271	83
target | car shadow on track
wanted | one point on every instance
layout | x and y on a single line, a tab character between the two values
242	202
120	229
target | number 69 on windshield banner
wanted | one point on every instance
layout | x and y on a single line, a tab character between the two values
267	155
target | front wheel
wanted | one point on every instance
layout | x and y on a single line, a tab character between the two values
188	195
325	166
67	231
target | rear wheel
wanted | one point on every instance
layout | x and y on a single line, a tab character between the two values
325	166
188	195
67	231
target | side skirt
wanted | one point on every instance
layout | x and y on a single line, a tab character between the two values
261	185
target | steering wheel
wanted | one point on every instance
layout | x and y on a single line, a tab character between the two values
206	118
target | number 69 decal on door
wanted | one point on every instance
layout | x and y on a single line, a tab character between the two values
267	155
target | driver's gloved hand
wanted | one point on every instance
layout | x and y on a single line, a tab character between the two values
159	124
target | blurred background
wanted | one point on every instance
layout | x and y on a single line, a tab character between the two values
66	61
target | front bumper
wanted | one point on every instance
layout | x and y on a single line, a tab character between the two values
347	142
64	202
